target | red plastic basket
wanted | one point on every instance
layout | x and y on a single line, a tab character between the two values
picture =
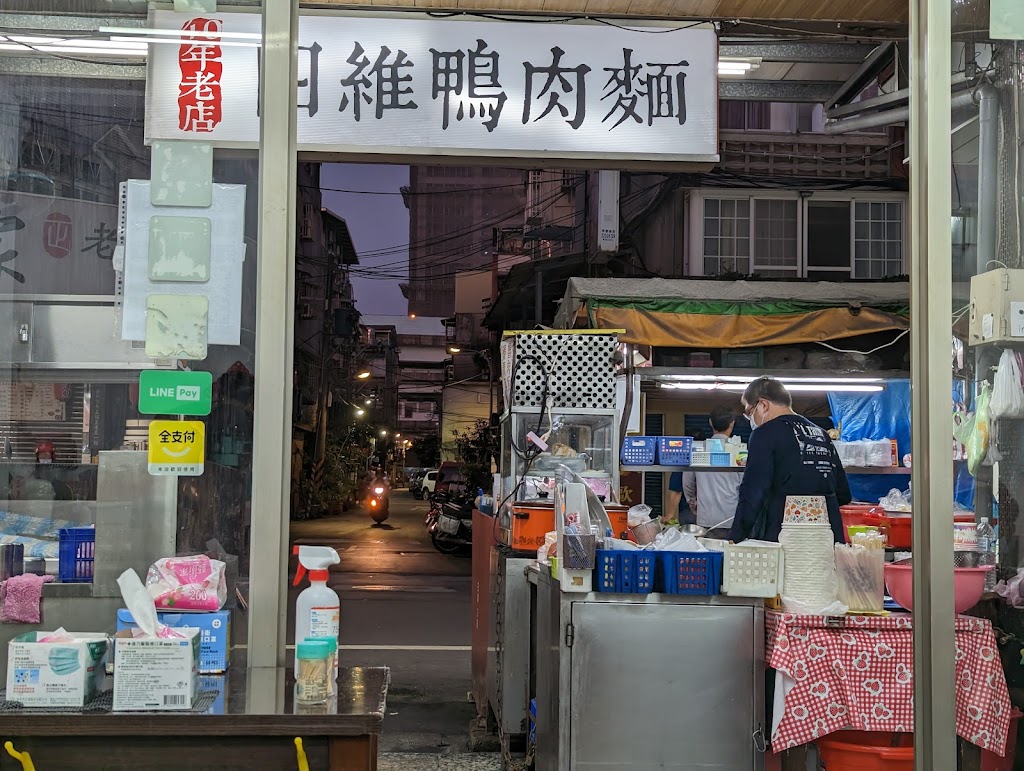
867	751
897	528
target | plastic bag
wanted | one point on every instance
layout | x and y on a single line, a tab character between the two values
877	453
1007	393
977	441
638	514
187	583
1012	590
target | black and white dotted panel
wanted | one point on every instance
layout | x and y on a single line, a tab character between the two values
580	370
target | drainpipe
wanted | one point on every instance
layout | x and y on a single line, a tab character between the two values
987	97
893	117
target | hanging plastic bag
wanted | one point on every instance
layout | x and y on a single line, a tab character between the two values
1007	394
978	439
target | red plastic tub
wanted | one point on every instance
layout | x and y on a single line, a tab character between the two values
895	526
866	751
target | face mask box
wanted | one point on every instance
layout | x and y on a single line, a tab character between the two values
57	674
154	673
214	635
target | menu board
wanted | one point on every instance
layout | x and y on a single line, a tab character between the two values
31	401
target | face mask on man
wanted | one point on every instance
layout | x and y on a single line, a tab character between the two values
753	421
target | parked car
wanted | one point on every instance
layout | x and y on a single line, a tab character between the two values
427	485
450	479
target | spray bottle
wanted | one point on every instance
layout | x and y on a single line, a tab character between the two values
318	608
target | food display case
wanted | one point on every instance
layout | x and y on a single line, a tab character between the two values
561	411
578	439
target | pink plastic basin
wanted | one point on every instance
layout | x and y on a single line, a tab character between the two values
968	585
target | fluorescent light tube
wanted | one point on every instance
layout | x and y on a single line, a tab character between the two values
179	32
794	387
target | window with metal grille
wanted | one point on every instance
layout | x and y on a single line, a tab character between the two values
726	236
877	239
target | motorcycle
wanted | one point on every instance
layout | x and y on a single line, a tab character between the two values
378	502
450	523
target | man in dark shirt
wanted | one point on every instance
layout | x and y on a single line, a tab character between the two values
787	455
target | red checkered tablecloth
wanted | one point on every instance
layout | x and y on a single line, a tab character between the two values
857	672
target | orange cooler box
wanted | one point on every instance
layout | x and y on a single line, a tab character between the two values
530	523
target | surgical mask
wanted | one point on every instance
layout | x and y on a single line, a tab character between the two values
753	421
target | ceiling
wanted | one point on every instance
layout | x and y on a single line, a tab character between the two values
874	12
808	51
868	13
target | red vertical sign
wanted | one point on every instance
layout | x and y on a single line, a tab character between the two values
199	90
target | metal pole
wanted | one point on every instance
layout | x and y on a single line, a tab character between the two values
987	97
275	322
931	293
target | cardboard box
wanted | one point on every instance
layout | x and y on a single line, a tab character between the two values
66	674
214	635
156	674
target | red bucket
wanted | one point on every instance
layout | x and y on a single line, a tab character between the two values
867	751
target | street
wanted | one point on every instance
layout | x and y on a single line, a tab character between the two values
405	606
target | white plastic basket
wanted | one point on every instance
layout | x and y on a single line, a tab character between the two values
750	570
700	458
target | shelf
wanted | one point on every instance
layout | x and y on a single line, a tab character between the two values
877	470
672	469
739	469
670	373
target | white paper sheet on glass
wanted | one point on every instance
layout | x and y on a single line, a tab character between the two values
227	215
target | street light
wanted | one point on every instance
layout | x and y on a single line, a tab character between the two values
398	436
364	374
360	413
454	349
369	402
383	432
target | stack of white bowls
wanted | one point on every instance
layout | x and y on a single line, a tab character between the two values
810	562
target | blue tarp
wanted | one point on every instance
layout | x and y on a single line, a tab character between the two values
885	415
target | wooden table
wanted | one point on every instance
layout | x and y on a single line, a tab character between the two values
257	729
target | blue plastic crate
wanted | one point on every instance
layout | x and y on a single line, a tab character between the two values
689	572
639	450
720	459
675	450
624	572
76	554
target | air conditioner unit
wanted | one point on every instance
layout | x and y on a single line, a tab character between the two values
306	311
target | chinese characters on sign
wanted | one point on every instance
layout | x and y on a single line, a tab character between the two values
177	448
56	245
201	70
408	85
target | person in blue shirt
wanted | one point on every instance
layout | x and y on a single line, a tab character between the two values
787	455
677	508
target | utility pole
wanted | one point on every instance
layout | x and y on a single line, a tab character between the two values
326	355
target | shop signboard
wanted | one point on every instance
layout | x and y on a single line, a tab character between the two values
53	245
410	85
177	448
175	392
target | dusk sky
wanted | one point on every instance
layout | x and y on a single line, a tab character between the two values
379	224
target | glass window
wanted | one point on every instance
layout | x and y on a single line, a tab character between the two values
775	237
726	236
879	228
96	343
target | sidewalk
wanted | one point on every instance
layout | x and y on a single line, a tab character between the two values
410	761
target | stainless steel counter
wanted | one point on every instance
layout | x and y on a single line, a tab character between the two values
647	681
